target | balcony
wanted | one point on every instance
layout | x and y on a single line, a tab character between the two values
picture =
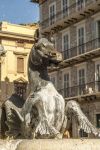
78	54
80	90
81	49
70	15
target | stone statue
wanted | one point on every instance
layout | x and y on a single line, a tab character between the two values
44	114
2	50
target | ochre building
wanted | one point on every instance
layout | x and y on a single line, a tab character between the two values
17	41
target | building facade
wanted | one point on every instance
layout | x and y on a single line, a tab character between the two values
16	40
75	27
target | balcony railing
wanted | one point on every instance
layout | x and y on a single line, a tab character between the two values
81	49
69	11
88	88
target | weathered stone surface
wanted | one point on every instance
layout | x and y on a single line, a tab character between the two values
9	144
69	144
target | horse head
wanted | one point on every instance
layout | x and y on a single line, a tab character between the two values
44	52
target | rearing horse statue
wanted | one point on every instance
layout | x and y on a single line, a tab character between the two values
44	114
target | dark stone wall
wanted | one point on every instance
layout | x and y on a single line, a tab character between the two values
7	89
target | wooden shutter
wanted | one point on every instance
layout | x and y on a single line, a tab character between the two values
20	65
98	120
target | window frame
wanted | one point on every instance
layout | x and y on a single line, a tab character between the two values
97	88
19	72
65	72
81	85
69	53
63	8
96	18
80	67
81	78
54	19
81	6
96	120
79	27
97	31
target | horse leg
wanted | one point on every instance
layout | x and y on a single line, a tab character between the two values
45	128
30	102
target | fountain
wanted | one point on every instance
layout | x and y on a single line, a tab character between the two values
44	114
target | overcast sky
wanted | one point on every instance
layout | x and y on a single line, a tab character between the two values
19	11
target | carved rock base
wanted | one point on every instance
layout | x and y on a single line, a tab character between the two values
65	144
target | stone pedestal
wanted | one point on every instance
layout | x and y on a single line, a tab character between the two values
68	144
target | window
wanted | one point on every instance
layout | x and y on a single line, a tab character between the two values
80	4
66	52
20	65
81	47
81	76
97	44
81	81
52	13
98	28
65	7
82	133
66	85
98	72
98	120
98	77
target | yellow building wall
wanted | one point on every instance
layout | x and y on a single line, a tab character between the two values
20	29
14	50
9	62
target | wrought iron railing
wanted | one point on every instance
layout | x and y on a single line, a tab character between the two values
75	7
81	49
83	89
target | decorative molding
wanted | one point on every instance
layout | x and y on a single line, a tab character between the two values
20	80
8	35
20	53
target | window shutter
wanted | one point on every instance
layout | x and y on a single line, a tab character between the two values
98	120
52	12
20	65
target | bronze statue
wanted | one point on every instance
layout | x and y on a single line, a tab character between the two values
44	114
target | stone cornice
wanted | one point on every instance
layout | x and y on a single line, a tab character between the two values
11	35
20	53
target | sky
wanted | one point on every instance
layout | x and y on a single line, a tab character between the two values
19	11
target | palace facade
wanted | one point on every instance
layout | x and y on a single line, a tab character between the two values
75	27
